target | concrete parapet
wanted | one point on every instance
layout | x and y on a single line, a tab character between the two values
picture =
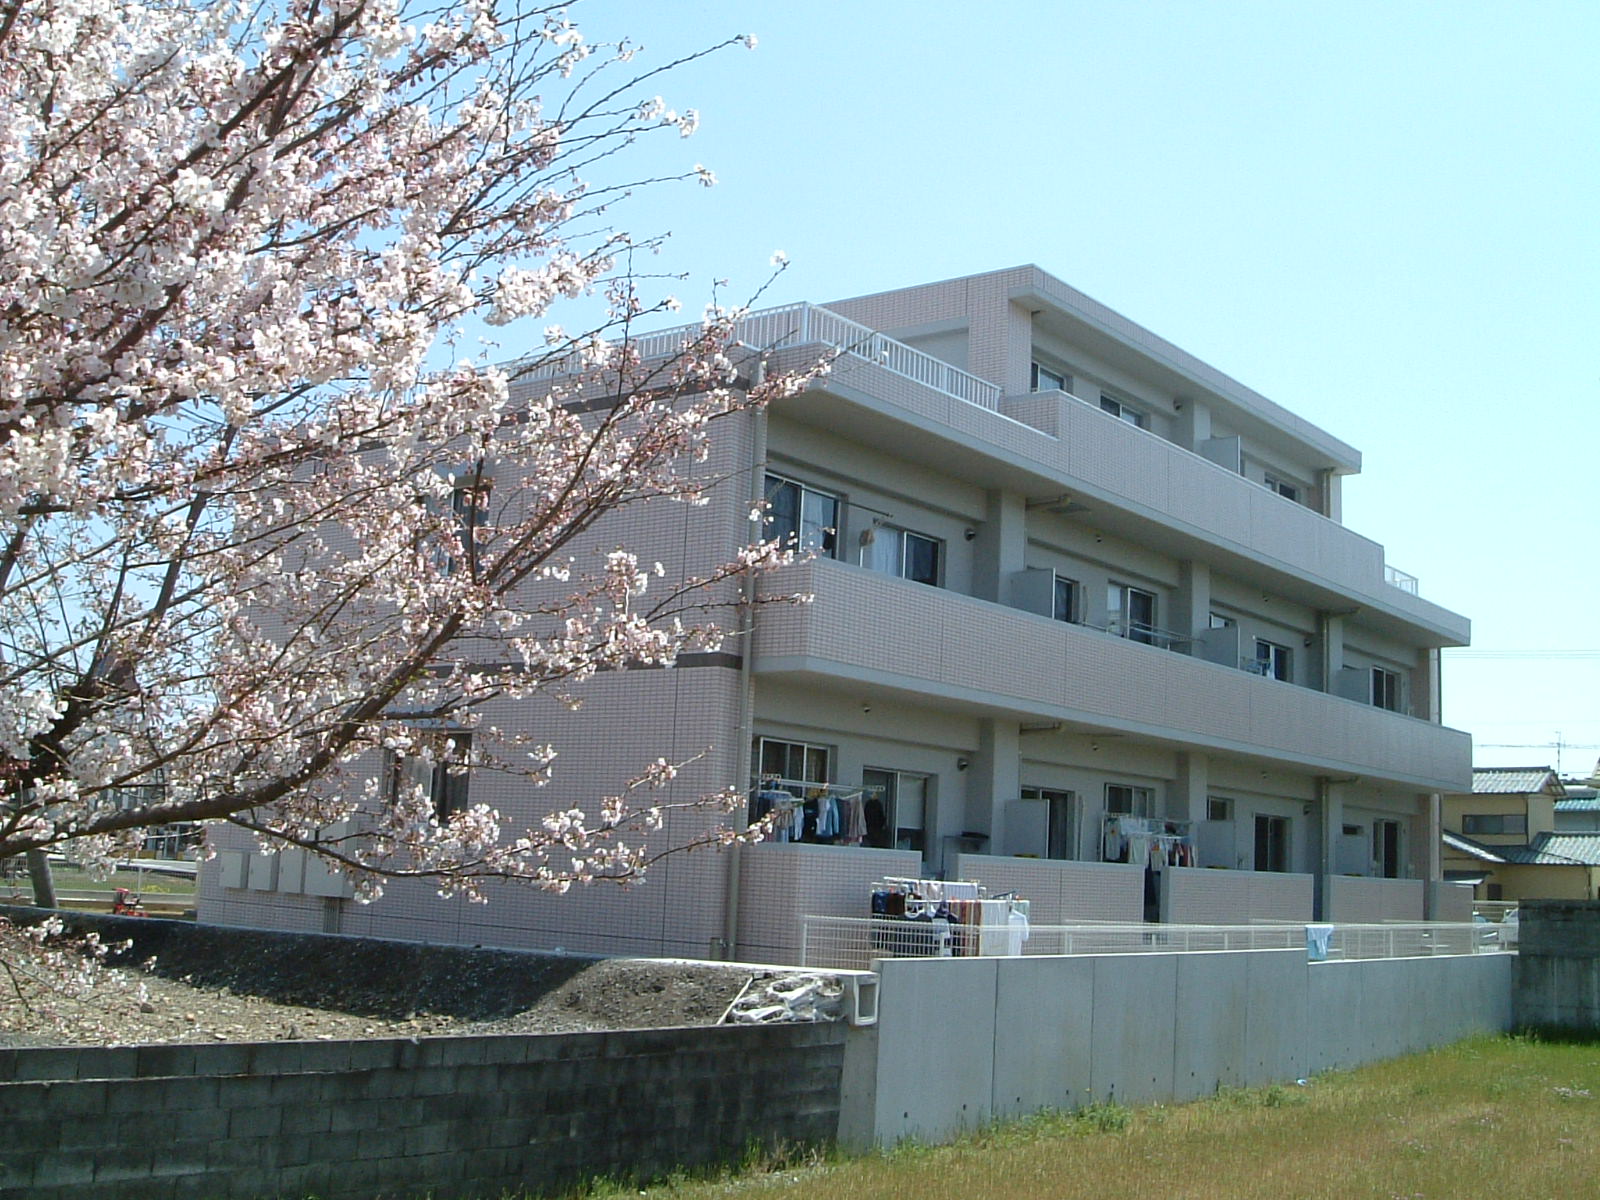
1557	980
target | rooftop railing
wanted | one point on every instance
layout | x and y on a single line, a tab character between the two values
809	324
1397	578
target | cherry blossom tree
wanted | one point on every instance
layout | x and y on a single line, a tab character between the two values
259	511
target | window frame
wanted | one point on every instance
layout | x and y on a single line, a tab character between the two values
1272	842
1278	485
1074	599
1495	824
1386	689
1115	406
1146	633
902	553
806	749
920	839
1061	820
1276	663
1037	369
446	783
1387	844
827	543
1140	798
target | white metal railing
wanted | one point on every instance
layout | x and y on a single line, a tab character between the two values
807	324
851	943
1397	578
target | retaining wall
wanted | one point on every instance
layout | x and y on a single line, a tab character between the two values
446	1116
962	1041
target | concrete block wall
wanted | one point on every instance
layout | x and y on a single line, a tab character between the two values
466	1116
1197	896
1361	900
1558	964
1061	892
963	1041
780	884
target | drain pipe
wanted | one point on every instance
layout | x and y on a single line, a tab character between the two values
747	700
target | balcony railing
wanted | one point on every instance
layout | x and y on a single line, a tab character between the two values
803	325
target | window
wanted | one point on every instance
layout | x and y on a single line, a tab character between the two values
1121	411
901	552
1044	379
469	516
793	762
1272	660
802	516
896	809
1289	491
1352	830
1219	621
1061	817
1386	849
1134	801
439	765
1272	843
1131	613
1065	607
1495	823
1219	808
1386	689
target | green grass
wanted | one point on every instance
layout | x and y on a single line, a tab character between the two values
1502	1117
76	880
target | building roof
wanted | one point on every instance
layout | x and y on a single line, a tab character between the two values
1476	849
1515	781
1579	804
1565	848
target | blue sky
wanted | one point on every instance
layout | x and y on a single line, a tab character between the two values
1382	215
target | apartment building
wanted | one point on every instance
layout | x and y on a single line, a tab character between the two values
1085	625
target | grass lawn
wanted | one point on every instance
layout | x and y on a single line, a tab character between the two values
1500	1117
76	880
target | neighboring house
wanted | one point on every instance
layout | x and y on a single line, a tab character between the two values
1519	835
1579	811
1079	598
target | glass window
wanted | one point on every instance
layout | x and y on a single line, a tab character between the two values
1218	808
1272	660
1131	613
1133	801
1386	689
793	762
1121	411
1066	599
900	552
1495	823
1044	379
438	764
1272	843
1219	621
1061	820
1289	491
897	813
1386	849
802	516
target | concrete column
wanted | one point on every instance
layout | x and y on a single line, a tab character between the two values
1425	698
1191	614
1332	501
1191	788
1001	546
993	778
1194	424
1329	825
1330	635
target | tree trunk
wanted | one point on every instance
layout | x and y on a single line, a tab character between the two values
44	887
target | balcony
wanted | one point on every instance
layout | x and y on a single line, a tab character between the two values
946	649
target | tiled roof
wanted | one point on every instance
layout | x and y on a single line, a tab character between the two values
1467	846
1579	804
1565	848
1516	781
